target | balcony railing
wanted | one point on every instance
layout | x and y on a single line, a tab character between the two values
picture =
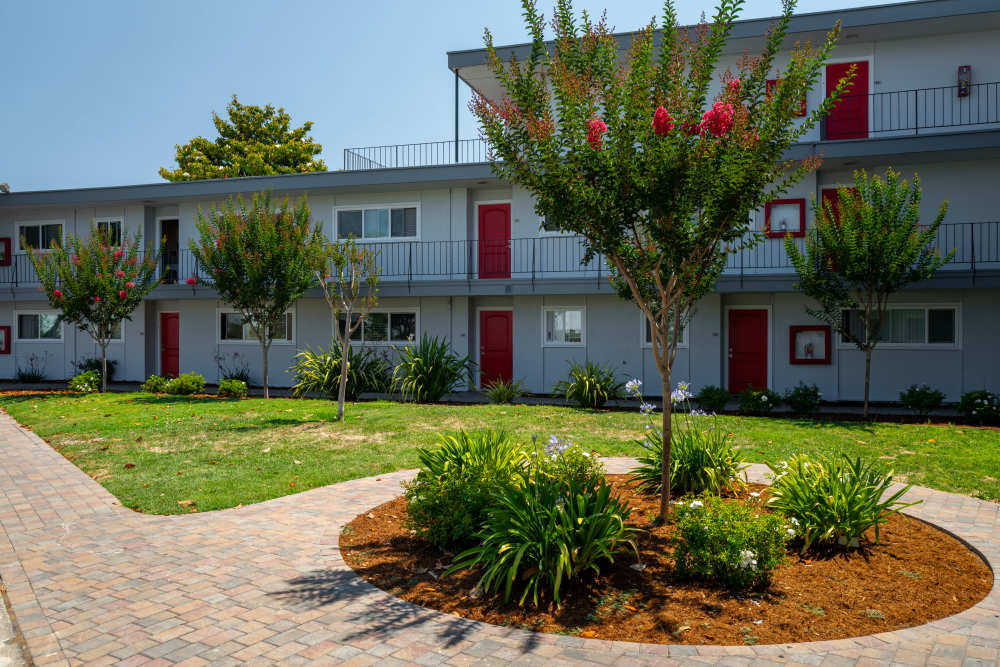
976	246
429	154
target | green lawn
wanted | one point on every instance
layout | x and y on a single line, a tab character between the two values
153	451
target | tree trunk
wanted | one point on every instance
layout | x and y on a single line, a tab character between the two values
104	367
868	377
345	354
264	348
667	427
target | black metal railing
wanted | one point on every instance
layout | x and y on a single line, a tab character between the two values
976	246
428	154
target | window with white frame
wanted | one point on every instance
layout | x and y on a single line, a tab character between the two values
234	329
111	228
908	325
397	326
647	339
39	326
563	326
377	222
38	235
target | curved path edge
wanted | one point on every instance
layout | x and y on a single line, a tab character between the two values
91	582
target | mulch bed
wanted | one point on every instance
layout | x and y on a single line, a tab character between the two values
915	574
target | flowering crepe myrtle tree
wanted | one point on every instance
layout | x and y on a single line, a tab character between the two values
257	258
95	283
635	155
864	248
348	274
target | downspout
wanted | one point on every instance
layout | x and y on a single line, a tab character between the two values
456	115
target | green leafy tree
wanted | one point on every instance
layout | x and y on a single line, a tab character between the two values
257	257
95	283
348	274
254	141
640	154
866	246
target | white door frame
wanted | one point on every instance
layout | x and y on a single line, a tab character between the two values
770	342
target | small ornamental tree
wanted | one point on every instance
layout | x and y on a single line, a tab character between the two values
257	258
348	274
865	247
96	284
635	153
254	141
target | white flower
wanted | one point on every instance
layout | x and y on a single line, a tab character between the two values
790	531
794	521
748	560
696	504
754	494
647	408
633	386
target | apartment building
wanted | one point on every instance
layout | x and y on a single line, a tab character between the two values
465	256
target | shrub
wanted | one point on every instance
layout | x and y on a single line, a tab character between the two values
922	399
450	496
233	388
318	372
589	385
94	364
757	401
504	391
540	533
35	371
429	370
729	542
186	383
155	384
712	398
701	461
980	406
833	499
565	462
237	369
803	399
86	382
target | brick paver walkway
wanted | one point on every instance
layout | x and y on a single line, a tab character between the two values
94	583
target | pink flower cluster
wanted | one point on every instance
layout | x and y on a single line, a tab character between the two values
191	281
718	120
663	122
595	132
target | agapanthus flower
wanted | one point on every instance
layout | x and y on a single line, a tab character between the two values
663	122
633	386
647	408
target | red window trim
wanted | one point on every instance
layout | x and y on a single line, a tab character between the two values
803	106
801	231
794	330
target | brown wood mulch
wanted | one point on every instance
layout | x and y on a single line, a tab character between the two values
915	574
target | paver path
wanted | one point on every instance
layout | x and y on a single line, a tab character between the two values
94	583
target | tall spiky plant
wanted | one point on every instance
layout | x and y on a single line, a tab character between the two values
867	245
95	283
635	152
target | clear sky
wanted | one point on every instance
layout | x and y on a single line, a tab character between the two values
97	93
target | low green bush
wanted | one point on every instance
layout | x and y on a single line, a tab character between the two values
701	461
803	399
186	384
590	385
980	406
833	499
730	543
232	388
155	384
504	391
318	372
922	399
450	496
712	398
757	401
429	370
94	364
86	382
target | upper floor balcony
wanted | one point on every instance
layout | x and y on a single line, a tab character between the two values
885	114
553	257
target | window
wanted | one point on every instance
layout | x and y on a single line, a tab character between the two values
909	326
39	326
38	235
563	326
384	327
232	328
647	340
111	228
377	223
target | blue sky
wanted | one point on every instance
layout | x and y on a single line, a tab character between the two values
97	93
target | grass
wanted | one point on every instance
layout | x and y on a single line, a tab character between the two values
154	452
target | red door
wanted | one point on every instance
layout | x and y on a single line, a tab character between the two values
496	345
747	349
494	241
170	344
849	117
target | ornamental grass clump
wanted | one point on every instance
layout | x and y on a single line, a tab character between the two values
503	391
429	370
589	385
317	371
834	500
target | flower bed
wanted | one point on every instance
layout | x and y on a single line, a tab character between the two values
915	574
